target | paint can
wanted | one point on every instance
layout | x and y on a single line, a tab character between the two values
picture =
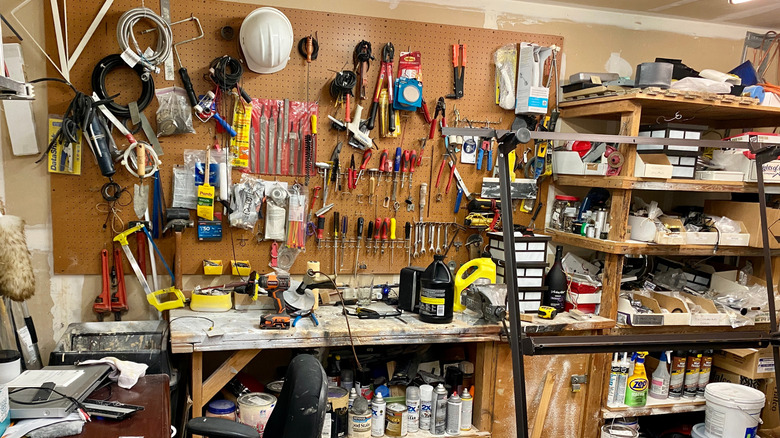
426	407
255	408
338	407
275	387
359	420
413	409
396	415
618	431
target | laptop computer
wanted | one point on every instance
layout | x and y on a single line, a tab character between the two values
74	381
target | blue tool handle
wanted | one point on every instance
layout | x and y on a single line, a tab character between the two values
225	125
397	159
480	155
490	160
458	199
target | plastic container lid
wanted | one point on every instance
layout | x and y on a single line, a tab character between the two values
222	407
699	431
377	398
412	392
426	392
566	198
733	394
8	356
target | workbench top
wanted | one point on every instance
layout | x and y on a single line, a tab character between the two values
240	330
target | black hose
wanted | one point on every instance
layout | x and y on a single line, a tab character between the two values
107	65
226	72
363	53
343	84
315	48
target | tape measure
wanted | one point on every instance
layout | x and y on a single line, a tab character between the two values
547	312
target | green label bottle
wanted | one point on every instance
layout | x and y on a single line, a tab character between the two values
637	385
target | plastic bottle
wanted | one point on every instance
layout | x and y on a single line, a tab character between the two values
692	368
454	413
677	374
426	406
334	370
614	376
378	415
704	372
636	387
413	408
620	396
659	384
467	411
437	292
556	282
347	379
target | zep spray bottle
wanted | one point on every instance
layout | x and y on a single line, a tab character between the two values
637	384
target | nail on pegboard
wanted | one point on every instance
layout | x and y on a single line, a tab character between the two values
78	226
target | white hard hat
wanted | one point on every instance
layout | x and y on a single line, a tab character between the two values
266	38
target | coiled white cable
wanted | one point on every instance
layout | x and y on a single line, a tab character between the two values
124	35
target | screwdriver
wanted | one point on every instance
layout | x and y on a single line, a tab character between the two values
335	242
392	240
357	245
382	164
320	229
405	166
377	228
343	239
369	235
407	238
412	165
385	226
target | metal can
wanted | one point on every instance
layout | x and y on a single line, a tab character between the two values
439	415
454	414
378	407
467	410
255	408
396	417
360	419
275	387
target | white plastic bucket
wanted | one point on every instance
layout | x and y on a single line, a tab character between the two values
732	410
698	431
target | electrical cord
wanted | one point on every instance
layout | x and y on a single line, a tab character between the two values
343	84
226	73
125	35
346	317
38	388
106	66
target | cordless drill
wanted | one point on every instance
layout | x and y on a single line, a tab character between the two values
274	284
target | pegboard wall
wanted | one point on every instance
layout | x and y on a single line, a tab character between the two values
78	226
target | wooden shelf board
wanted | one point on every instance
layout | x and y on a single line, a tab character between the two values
655	407
532	324
716	114
612	247
678	185
471	433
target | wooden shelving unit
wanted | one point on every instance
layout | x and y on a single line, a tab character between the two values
655	407
630	111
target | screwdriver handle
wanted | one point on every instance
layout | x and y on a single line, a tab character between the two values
370	232
397	159
320	226
185	79
412	161
366	158
392	229
372	186
359	228
405	161
377	228
382	160
408	231
385	226
336	225
344	226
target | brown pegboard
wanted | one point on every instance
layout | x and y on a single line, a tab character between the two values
77	225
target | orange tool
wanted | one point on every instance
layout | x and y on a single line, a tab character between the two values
102	304
458	49
118	297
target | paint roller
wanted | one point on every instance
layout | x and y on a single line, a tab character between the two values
17	279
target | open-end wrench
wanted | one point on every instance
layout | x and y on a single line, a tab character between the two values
446	236
431	248
422	240
438	240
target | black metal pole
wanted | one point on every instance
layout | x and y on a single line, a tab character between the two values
761	158
507	144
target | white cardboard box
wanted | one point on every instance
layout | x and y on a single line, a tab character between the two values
701	237
735	239
710	315
720	175
570	163
734	160
531	96
653	166
725	282
670	238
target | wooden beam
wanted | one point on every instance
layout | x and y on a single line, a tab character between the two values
544	405
197	384
597	380
227	371
485	382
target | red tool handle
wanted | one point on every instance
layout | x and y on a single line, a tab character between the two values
377	228
433	130
426	113
441	168
347	116
119	299
385	227
314	196
405	161
412	161
366	158
320	226
102	302
463	55
383	160
454	55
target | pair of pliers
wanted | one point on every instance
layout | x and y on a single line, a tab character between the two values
441	108
310	314
458	49
485	149
352	174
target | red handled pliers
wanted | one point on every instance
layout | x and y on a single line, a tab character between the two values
441	108
352	174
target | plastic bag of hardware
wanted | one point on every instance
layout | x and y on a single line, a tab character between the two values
726	225
296	218
194	159
276	213
174	116
505	59
184	190
247	202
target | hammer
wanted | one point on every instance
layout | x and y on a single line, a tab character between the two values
177	219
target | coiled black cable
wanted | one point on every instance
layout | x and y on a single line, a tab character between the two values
343	84
315	48
363	52
226	72
107	65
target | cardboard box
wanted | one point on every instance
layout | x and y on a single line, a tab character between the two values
769	415
709	316
531	96
734	160
720	175
725	282
570	163
748	212
676	310
627	315
701	238
749	362
653	166
668	236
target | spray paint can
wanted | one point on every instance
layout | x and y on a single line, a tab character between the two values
413	408
378	406
359	419
467	410
677	374
692	368
426	406
454	406
352	396
704	372
439	413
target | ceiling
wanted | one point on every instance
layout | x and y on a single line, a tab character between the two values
755	13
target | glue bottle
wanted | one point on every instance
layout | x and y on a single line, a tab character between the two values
614	376
636	386
620	396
